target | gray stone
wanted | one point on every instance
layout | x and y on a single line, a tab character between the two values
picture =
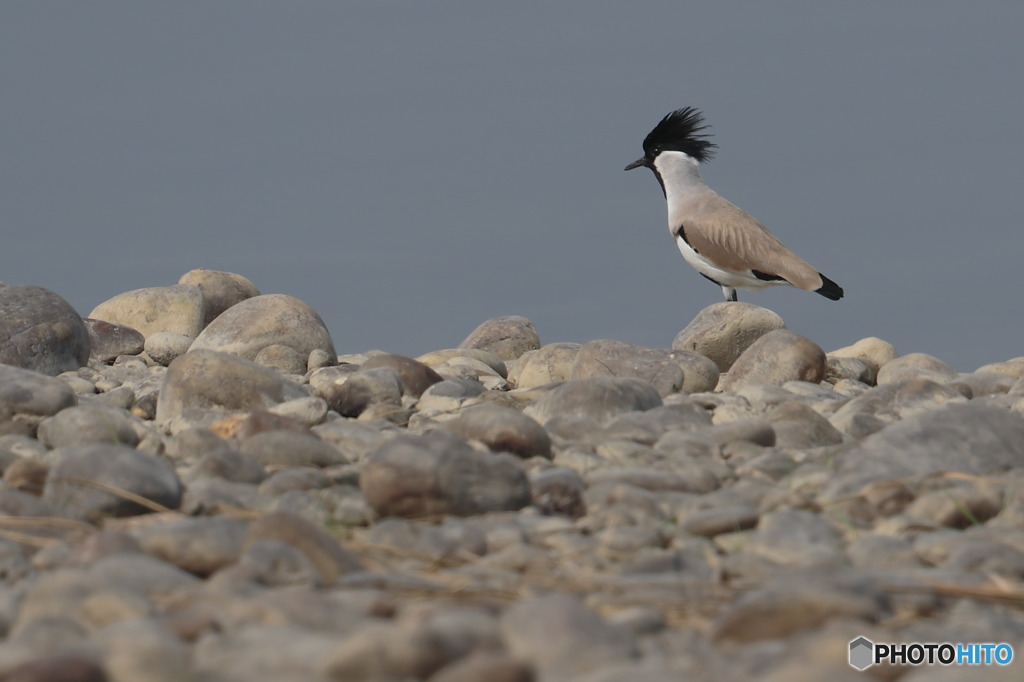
415	376
723	331
649	426
1013	368
84	481
719	520
493	667
277	564
163	347
285	448
502	429
598	398
60	667
200	546
775	358
507	337
441	357
562	637
981	384
438	473
916	366
248	327
449	395
548	364
221	290
309	411
606	358
88	424
179	308
882	405
107	340
143	650
840	368
798	426
40	331
971	438
363	389
331	560
700	373
208	379
27	396
283	358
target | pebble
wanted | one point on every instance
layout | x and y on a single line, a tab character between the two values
598	398
86	481
502	429
607	358
220	290
247	327
548	364
724	331
179	308
208	379
489	516
107	340
506	337
439	473
775	358
916	366
40	331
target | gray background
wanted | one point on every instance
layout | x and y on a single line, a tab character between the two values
411	169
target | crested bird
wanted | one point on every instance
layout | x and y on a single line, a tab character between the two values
718	239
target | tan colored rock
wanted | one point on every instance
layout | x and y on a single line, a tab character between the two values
872	350
723	331
916	366
220	289
179	308
507	337
775	358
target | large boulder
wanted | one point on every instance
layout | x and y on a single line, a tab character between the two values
40	331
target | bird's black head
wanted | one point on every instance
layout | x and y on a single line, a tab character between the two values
679	131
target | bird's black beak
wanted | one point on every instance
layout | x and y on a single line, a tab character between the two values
637	164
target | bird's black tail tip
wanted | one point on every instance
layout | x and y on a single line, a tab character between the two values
829	289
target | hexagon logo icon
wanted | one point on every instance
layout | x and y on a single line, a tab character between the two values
862	653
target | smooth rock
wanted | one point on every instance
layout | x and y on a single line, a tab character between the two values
200	546
285	448
40	331
58	667
492	667
439	473
1013	368
548	364
248	327
598	398
363	389
274	563
107	340
775	358
283	358
415	377
723	331
981	384
330	559
502	429
449	395
88	424
852	369
163	347
562	637
888	403
507	337
607	358
972	438
798	426
700	373
208	379
72	485
308	411
440	357
221	290
871	350
27	396
179	308
916	366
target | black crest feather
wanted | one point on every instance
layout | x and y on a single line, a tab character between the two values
680	131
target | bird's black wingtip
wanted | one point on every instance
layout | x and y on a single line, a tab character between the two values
829	289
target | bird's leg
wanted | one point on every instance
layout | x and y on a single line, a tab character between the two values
730	293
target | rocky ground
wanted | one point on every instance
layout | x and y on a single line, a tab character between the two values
196	486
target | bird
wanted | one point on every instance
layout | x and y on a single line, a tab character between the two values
721	241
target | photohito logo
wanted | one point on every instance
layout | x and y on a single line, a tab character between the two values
864	653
